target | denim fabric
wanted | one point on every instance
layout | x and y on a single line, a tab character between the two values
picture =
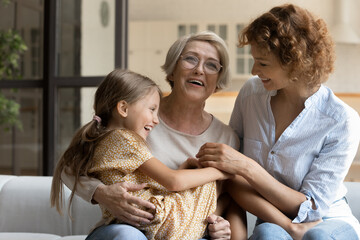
117	232
332	229
327	230
269	231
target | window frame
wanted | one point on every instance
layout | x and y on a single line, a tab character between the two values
50	83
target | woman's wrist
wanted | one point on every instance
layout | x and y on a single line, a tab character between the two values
98	194
248	168
220	175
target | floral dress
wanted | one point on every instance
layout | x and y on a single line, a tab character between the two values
178	215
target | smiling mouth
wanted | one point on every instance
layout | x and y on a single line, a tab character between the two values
148	128
196	82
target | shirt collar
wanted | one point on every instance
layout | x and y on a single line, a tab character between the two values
315	98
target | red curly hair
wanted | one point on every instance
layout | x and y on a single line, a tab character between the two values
299	40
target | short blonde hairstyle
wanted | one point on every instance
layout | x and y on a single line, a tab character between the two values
179	45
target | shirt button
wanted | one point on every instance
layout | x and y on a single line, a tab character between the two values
272	152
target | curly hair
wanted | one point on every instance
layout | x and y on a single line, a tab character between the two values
299	40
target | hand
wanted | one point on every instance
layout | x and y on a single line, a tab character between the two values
222	157
226	175
120	203
218	227
190	163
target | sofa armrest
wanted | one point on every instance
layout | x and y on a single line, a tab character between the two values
353	197
25	207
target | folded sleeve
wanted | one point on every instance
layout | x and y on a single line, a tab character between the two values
323	182
85	188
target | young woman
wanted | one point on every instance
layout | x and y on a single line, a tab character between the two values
298	138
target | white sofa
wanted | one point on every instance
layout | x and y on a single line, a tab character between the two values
25	211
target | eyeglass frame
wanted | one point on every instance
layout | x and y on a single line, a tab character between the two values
198	62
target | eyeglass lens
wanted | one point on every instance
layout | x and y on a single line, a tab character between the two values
210	66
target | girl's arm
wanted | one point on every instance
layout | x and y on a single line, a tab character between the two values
179	180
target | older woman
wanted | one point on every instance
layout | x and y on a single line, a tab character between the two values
196	66
298	138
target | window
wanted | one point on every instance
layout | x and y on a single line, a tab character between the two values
187	29
244	60
71	45
220	30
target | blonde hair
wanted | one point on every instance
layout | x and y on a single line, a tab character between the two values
179	45
117	85
298	39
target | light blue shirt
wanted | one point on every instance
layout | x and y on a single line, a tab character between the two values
313	155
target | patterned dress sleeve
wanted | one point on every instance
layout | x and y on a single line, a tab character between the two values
120	153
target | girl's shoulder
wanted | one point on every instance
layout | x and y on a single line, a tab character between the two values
126	139
119	133
123	135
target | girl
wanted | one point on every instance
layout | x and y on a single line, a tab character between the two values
112	148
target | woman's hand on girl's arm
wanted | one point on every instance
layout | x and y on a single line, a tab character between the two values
193	163
227	159
181	179
190	163
222	157
120	203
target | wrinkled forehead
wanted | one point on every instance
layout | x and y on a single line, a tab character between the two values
202	48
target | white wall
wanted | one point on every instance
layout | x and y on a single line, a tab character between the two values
346	76
153	28
98	49
97	41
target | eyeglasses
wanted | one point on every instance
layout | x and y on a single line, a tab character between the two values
189	61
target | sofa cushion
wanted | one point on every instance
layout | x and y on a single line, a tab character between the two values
25	201
4	179
85	216
27	236
38	236
74	237
353	197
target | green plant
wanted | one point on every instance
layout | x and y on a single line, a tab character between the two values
5	2
9	113
11	47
